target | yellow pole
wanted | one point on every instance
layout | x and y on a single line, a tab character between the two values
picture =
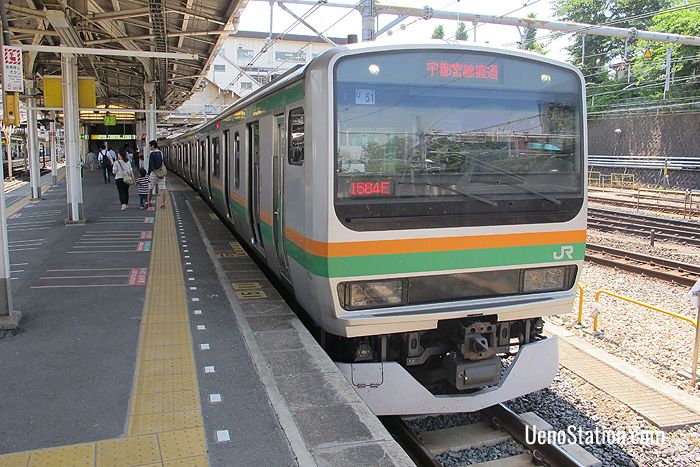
694	367
580	303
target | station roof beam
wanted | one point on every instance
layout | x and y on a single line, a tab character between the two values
195	27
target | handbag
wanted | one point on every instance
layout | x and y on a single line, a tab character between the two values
161	171
128	176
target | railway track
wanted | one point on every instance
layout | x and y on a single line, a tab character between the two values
499	425
640	225
664	206
652	266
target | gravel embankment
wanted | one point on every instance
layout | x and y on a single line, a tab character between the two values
570	401
659	344
572	405
636	244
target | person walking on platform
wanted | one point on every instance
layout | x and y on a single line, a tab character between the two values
123	177
106	160
156	173
91	160
137	160
144	187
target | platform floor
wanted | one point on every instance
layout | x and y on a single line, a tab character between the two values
658	402
137	348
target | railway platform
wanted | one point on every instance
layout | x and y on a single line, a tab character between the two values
149	337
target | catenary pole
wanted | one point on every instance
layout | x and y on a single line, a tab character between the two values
552	25
9	318
33	142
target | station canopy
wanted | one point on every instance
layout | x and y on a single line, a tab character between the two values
182	26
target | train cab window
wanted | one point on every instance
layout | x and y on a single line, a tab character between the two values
237	155
295	153
216	151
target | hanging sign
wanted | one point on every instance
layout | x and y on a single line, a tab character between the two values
12	69
647	54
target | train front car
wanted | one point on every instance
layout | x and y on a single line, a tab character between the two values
456	220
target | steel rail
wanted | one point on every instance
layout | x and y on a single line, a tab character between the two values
644	230
635	205
409	441
659	220
544	453
652	266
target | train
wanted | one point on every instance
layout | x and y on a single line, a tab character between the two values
424	203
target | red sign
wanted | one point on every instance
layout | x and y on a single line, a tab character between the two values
462	70
378	188
12	69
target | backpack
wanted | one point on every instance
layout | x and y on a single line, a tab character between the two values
105	162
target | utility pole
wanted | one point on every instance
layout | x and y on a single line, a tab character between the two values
9	318
368	11
667	83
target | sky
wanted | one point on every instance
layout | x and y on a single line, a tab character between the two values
256	17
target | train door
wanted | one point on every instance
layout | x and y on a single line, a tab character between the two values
208	168
196	164
254	188
226	173
190	159
278	156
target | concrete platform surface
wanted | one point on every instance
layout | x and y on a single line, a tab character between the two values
135	348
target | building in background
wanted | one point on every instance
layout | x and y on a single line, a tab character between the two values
231	78
244	47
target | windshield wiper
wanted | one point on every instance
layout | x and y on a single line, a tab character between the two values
521	181
449	188
525	187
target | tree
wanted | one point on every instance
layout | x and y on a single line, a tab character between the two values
684	58
461	34
601	50
438	33
529	41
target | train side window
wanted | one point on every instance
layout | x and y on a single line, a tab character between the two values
216	150
295	151
237	155
202	154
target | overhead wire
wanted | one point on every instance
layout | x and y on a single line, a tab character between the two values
557	34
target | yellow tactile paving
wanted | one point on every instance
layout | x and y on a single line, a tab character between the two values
198	461
165	397
182	443
170	366
167	402
165	351
165	383
165	420
128	451
77	455
154	423
14	460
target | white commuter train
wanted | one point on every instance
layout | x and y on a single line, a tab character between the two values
426	205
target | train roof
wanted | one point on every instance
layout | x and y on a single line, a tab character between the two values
327	57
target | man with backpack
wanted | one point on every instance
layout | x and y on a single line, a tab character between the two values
106	159
156	173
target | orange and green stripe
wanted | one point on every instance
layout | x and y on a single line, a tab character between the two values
415	255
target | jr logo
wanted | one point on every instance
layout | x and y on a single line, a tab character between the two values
567	251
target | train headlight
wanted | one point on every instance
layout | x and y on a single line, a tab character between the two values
543	279
372	294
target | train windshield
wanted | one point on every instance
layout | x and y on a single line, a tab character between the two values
451	138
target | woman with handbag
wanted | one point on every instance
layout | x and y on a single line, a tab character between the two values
156	173
123	177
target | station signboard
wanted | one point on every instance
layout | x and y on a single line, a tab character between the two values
12	69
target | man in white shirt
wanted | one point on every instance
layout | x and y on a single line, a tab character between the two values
106	158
